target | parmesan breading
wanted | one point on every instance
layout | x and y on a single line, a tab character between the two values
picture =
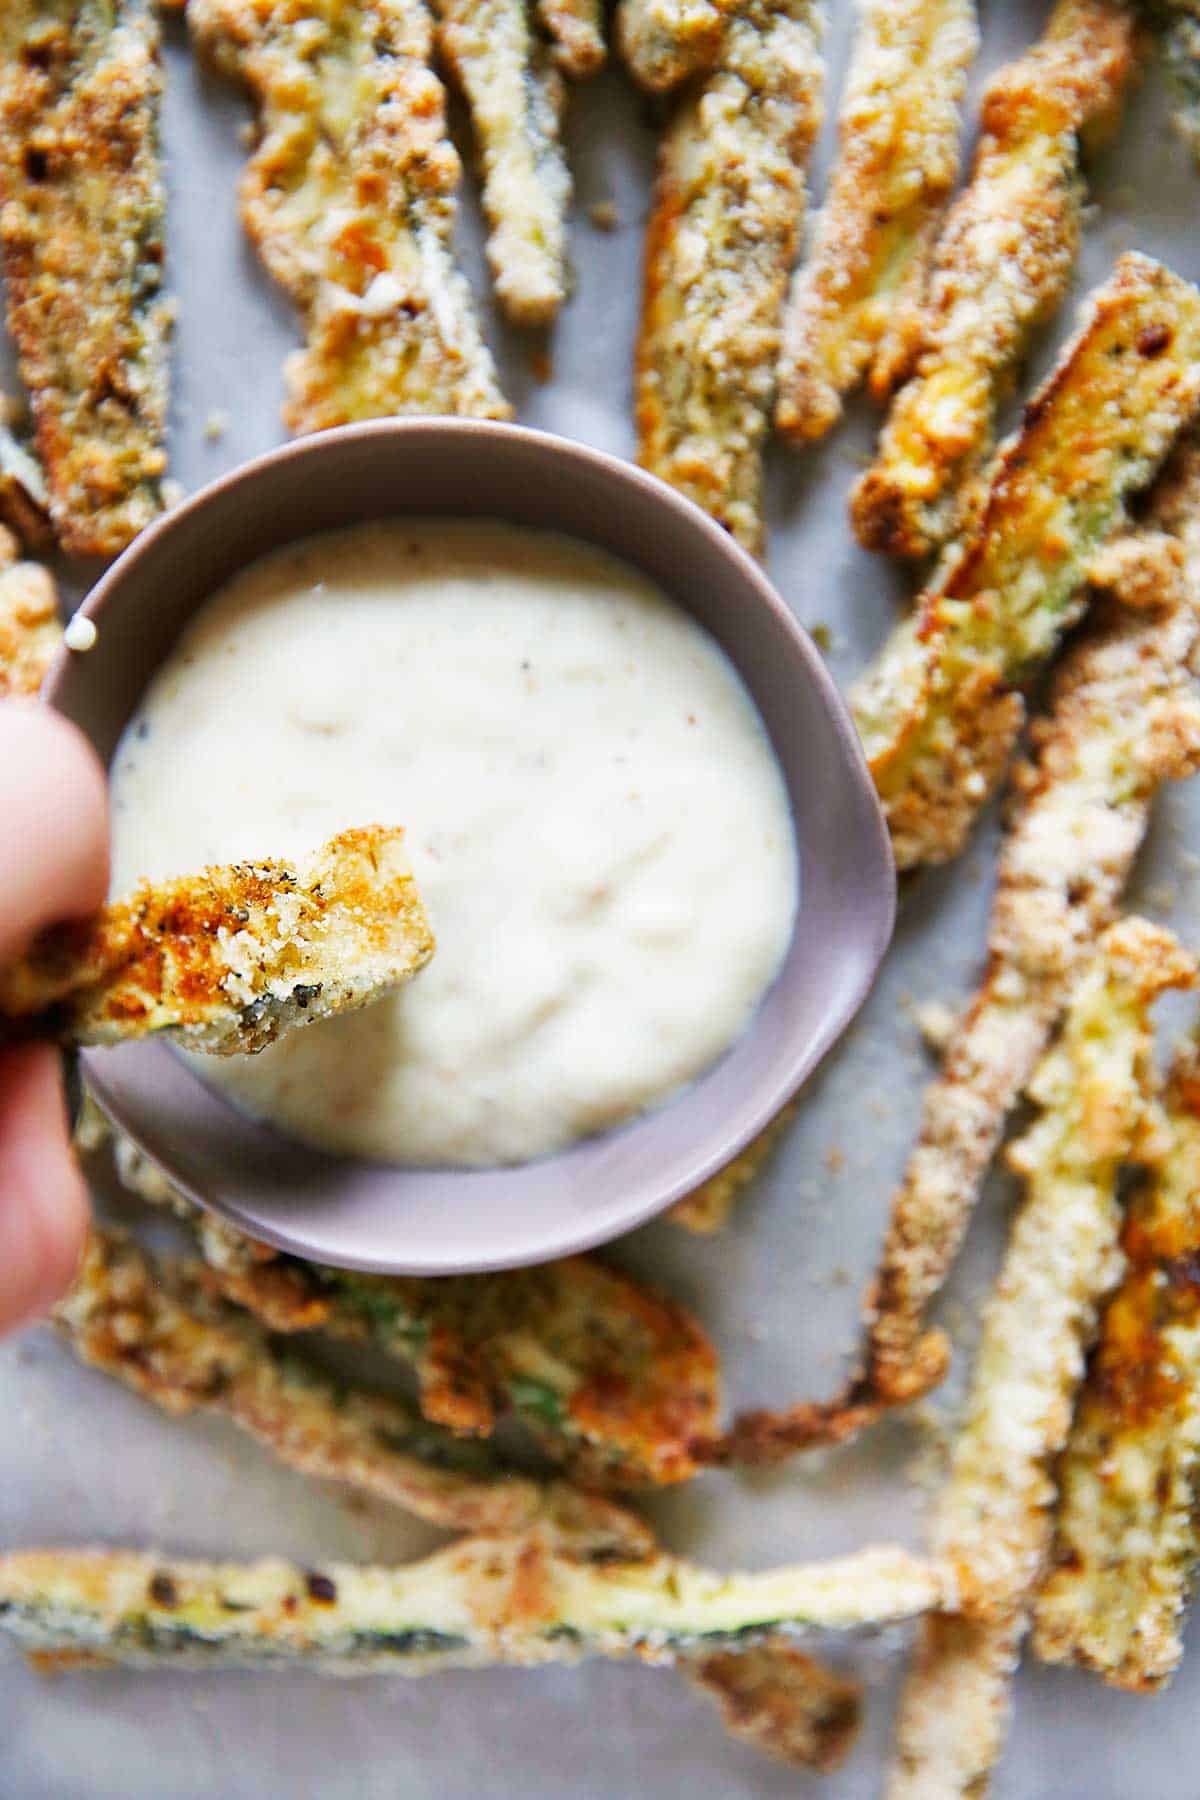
523	1600
1126	1544
1124	717
81	239
1002	266
781	1702
708	1208
576	32
857	302
721	239
1095	1095
30	632
350	199
516	97
664	41
155	1324
940	710
226	960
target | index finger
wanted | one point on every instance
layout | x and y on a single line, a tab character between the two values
53	823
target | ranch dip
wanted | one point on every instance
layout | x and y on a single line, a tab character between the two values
595	819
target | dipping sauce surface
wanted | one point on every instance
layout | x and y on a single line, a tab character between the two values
595	818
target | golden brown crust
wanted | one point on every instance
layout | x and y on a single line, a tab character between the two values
81	234
940	709
720	241
860	292
30	632
227	959
389	322
1002	266
782	1703
516	96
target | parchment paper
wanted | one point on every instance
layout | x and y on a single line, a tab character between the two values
779	1290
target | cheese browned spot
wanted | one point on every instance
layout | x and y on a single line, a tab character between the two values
81	237
941	708
779	1701
227	959
30	632
349	197
1002	266
722	236
857	300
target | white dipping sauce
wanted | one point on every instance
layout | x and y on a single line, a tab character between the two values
595	818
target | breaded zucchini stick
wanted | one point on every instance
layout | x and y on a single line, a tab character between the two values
349	197
516	97
576	32
1002	266
226	960
30	632
720	242
1178	25
1126	1536
857	302
941	708
81	238
612	1378
1094	1090
522	1600
708	1208
665	41
1124	717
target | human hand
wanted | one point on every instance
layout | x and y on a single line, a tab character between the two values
53	865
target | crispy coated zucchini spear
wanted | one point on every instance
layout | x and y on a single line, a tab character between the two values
664	41
227	960
1001	268
613	1379
81	238
1124	717
720	242
30	632
708	1208
1126	1535
349	197
941	708
156	1324
1095	1094
857	302
520	1600
516	97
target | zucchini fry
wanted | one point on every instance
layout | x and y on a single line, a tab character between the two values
1124	717
613	1379
81	238
576	32
516	97
349	198
523	1600
1177	23
665	41
721	239
1126	1538
707	1209
227	960
30	632
941	709
859	296
1002	266
1095	1092
155	1324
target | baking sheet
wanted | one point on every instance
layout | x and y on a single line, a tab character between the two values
779	1290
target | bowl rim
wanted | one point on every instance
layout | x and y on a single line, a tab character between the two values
574	1235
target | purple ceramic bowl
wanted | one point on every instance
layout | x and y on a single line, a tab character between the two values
439	1222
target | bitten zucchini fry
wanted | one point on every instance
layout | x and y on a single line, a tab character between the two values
226	960
1095	1092
1123	718
1001	268
722	235
1126	1543
516	97
522	1600
941	709
81	239
857	301
30	632
349	198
